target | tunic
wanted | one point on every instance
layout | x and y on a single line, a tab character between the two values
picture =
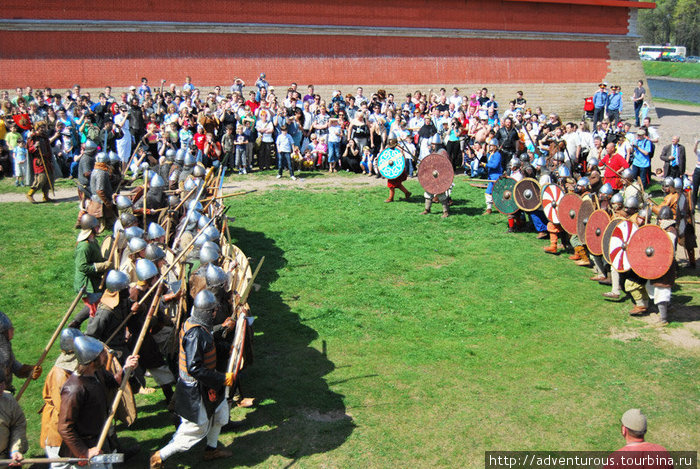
13	426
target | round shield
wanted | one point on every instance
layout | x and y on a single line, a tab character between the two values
594	231
568	212
435	173
584	213
528	195
619	242
607	234
503	195
391	163
551	196
650	252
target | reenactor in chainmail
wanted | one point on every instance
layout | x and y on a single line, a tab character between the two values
166	163
175	169
9	365
101	206
85	167
188	166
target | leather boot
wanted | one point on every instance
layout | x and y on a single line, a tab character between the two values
488	211
428	204
30	195
445	209
576	256
585	261
552	248
216	453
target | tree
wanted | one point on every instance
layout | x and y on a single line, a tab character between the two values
672	21
687	25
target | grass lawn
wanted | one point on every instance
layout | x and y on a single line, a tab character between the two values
672	69
389	339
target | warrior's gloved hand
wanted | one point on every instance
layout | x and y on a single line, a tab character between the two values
229	324
36	372
229	379
102	266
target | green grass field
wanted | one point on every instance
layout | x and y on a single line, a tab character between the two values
672	69
389	339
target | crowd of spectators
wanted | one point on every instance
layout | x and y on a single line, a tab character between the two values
247	127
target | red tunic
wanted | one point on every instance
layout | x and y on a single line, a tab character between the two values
34	144
617	163
397	182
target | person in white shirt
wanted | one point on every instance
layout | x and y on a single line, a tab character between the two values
285	146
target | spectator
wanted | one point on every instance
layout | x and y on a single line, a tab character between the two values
633	429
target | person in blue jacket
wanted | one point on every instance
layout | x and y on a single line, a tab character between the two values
600	101
614	105
494	171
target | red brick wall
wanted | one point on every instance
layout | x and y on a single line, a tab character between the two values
96	59
468	14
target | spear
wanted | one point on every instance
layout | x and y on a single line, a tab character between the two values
46	169
111	254
53	338
109	458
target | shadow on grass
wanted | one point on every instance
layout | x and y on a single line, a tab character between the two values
296	414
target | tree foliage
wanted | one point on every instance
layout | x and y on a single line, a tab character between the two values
672	21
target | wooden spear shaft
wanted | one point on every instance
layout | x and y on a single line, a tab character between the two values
53	338
128	371
111	255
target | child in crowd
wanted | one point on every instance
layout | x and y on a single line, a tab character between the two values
228	147
321	152
19	156
241	144
366	162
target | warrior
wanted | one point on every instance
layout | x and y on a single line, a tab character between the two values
41	157
85	167
84	403
494	171
580	255
200	387
397	183
685	223
9	365
13	424
101	206
90	264
619	209
659	290
64	366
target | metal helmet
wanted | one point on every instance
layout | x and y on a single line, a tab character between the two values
678	184
137	245
189	160
208	255
198	172
128	219
157	181
593	162
215	276
200	239
155	231
101	157
583	182
170	154
643	213
665	213
211	233
144	166
515	163
617	199
606	189
204	301
632	202
190	185
563	172
68	336
90	146
195	205
87	349
173	201
192	219
180	156
212	245
88	222
133	232
524	157
493	142
203	220
145	269
5	323
667	182
113	157
628	174
559	156
540	162
116	280
154	253
123	202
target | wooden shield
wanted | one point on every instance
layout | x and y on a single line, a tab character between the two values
607	233
391	163
435	173
594	231
551	196
650	252
238	344
503	195
584	213
528	195
619	243
126	411
568	212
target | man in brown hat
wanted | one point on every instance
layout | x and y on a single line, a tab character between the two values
633	429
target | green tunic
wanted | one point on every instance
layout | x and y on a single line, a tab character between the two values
86	254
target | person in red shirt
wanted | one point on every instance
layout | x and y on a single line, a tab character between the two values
638	453
613	162
252	103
